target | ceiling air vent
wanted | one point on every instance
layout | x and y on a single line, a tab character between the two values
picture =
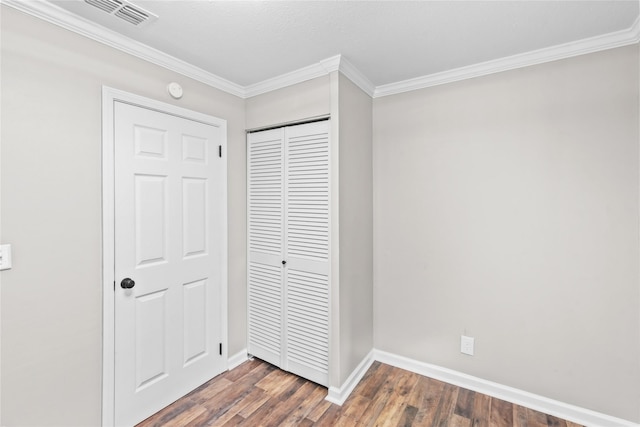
124	10
132	15
106	5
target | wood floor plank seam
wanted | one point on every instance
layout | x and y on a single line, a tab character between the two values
258	394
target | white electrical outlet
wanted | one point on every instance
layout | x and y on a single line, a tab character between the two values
466	345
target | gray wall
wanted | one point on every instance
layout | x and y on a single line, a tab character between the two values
506	208
51	213
356	225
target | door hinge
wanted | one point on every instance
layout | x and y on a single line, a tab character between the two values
219	150
220	349
114	286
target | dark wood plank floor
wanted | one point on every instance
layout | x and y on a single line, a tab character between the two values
258	394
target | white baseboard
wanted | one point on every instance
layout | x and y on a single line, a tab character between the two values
338	395
237	359
563	410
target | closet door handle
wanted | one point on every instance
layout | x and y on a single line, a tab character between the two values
284	262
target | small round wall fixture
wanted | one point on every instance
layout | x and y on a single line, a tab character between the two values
175	90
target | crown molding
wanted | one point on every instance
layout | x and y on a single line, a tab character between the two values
359	79
60	17
635	29
300	75
554	53
322	68
67	20
332	64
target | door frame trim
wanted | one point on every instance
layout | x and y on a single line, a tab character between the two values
109	97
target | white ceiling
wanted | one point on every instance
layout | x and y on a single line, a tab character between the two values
387	41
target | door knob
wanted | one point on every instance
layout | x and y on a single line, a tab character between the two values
127	283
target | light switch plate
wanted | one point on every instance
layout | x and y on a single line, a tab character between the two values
5	257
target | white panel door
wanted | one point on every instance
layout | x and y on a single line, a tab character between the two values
288	187
169	210
307	251
265	153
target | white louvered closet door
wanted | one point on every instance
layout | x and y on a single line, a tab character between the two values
265	151
307	251
289	248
